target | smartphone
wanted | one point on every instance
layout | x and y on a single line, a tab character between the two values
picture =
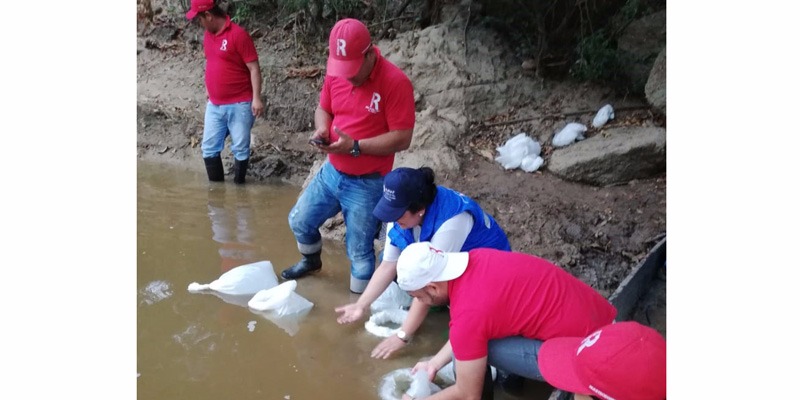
319	142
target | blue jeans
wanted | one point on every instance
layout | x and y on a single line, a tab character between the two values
236	119
328	193
517	355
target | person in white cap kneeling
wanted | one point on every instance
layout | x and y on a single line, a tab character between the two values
503	306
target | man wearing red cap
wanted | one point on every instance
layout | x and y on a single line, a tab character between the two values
233	87
365	115
498	316
623	361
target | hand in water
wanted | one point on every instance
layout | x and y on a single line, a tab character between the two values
425	366
350	313
388	346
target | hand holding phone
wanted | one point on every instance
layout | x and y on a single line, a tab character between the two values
319	142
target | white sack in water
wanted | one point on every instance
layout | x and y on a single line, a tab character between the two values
421	386
399	382
289	323
235	299
605	114
515	149
281	300
392	298
572	132
375	323
244	279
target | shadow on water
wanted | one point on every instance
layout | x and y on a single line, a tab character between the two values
198	346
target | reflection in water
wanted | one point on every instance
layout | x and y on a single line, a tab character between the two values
230	226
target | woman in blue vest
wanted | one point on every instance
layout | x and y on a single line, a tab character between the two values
418	210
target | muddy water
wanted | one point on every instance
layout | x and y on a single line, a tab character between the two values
198	346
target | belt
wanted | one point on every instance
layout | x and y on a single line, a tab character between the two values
374	175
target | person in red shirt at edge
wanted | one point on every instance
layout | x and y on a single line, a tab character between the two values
365	115
233	88
498	316
622	361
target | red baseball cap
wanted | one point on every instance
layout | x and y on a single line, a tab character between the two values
347	44
199	6
621	361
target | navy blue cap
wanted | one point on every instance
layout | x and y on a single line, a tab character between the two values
401	187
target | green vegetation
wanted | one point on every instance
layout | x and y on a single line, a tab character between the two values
596	59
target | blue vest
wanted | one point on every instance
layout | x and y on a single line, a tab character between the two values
447	204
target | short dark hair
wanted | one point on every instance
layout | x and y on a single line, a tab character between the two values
428	192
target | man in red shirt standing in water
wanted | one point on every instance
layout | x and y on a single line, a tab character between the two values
233	87
365	115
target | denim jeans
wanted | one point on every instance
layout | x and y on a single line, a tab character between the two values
517	355
328	193
236	119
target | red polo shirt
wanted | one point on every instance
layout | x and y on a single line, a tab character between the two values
227	52
503	294
384	103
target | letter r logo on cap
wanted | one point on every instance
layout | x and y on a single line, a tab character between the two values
588	341
340	48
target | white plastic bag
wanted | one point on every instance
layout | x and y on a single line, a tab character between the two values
398	382
605	114
515	149
281	300
235	299
391	299
244	279
289	323
420	385
531	163
375	324
572	132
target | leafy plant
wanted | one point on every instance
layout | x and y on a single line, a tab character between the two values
596	58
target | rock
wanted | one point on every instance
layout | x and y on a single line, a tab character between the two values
639	45
656	88
620	155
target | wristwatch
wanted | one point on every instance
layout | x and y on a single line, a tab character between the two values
355	151
402	335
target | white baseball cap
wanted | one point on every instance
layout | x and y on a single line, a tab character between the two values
420	264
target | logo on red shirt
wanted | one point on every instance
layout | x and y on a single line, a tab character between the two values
373	106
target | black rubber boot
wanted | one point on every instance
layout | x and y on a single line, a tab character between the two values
240	170
310	263
214	169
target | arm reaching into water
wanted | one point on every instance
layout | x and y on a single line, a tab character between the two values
381	279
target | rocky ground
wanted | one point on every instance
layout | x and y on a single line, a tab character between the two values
597	233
